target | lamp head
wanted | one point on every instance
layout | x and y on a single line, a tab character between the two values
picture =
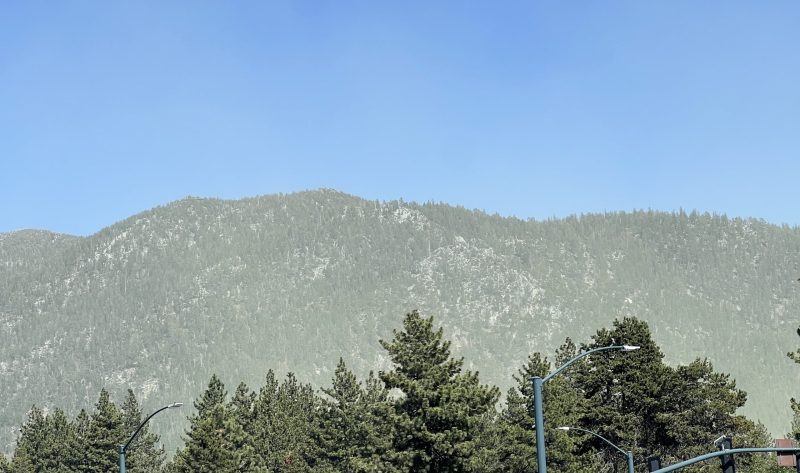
174	404
630	347
565	428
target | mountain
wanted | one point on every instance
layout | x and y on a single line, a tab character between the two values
162	300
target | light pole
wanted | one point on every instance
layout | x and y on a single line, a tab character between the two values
124	448
628	454
541	459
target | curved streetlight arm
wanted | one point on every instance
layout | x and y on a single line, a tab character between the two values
720	453
125	447
598	436
587	353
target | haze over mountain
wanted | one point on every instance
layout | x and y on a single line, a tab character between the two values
160	301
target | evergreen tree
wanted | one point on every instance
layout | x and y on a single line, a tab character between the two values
105	432
213	445
215	441
33	437
60	451
241	409
351	434
144	454
627	393
213	395
241	406
5	466
439	416
82	439
563	407
643	405
22	462
283	423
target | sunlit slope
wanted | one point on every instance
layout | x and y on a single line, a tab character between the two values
163	299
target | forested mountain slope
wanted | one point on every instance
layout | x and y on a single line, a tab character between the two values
162	300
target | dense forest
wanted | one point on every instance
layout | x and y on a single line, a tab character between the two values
426	413
159	302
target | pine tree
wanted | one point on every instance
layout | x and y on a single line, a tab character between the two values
144	454
241	434
283	423
641	404
60	451
82	439
22	462
207	447
215	441
105	432
33	437
627	393
351	433
47	444
213	395
438	417
5	465
241	406
204	449
563	407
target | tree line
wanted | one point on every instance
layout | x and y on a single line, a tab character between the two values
426	414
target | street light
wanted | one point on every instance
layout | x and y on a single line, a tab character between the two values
541	459
628	454
124	448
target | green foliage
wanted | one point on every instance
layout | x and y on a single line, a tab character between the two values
564	407
643	405
59	451
439	418
210	444
104	433
352	434
216	441
283	424
436	419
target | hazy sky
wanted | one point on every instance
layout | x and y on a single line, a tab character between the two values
532	109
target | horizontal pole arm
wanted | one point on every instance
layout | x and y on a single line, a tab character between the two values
720	453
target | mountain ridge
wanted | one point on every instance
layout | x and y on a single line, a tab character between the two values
160	300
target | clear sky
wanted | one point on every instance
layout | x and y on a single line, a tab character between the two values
536	109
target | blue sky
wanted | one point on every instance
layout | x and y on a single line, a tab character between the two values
534	109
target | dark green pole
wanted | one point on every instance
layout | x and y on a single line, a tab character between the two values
538	418
122	459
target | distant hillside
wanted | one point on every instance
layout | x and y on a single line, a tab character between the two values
162	300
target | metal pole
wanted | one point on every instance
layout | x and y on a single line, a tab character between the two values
122	459
732	451
630	461
541	459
